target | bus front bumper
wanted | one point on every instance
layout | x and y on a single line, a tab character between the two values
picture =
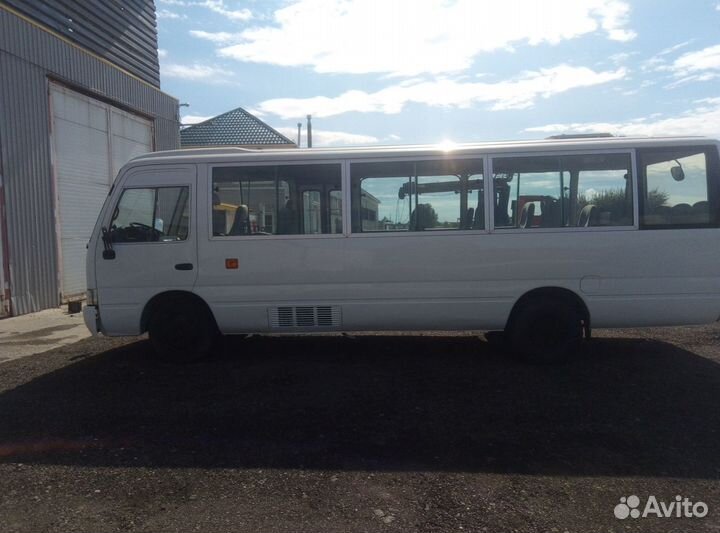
92	319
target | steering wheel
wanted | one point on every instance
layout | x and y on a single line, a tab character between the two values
141	225
152	233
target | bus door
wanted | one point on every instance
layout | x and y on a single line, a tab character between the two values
149	243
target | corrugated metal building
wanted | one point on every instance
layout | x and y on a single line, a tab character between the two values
79	96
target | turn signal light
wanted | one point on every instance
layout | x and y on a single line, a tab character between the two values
231	264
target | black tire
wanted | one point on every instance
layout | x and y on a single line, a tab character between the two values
545	332
182	331
496	339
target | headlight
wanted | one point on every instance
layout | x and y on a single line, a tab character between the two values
91	297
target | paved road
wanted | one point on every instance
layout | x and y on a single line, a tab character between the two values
368	433
33	333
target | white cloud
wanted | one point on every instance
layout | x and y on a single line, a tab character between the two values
674	48
329	138
700	65
659	62
653	64
167	14
218	6
194	119
255	112
196	72
703	119
621	57
707	76
219	37
162	53
409	38
700	60
614	16
518	93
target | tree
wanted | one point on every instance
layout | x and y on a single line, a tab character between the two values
423	217
615	202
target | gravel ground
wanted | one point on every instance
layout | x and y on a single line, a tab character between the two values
434	432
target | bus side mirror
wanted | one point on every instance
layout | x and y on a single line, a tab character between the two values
677	173
108	252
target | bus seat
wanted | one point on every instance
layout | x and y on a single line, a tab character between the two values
288	223
550	214
219	222
479	218
240	224
526	215
587	216
467	223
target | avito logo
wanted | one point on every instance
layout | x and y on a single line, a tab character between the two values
678	508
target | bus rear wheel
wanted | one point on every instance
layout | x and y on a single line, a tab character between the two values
182	331
545	332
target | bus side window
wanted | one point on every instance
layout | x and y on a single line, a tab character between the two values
376	202
679	187
151	215
336	213
563	191
598	189
528	192
312	211
275	200
427	195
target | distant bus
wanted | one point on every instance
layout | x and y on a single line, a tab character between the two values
540	239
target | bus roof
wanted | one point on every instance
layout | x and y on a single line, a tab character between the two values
232	153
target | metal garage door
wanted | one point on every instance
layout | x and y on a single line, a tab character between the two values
91	141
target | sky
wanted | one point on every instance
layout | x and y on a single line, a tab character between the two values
434	71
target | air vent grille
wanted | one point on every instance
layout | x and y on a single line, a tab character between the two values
285	317
304	317
325	317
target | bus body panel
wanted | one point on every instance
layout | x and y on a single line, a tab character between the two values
626	278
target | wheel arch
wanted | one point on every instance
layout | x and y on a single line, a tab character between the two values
174	296
557	294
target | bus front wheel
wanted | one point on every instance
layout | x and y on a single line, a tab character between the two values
545	332
181	331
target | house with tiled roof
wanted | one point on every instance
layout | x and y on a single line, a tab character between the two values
234	128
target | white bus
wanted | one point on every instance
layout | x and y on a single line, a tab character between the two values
541	239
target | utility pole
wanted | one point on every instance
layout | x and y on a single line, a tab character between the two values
309	131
